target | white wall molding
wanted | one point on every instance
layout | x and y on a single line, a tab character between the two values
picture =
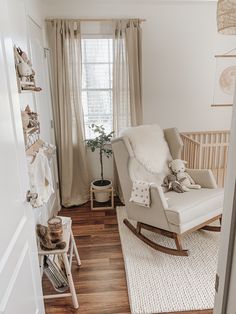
13	278
12	243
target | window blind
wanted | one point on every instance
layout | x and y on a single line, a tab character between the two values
97	67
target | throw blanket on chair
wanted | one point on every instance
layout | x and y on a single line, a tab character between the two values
141	193
150	147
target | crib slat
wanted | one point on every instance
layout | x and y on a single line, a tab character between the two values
208	149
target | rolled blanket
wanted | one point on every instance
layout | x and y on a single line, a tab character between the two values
141	193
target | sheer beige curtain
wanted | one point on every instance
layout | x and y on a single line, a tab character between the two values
127	75
65	43
127	79
121	93
134	52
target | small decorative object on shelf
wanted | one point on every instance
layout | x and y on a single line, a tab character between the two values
55	229
45	240
31	137
24	71
31	127
102	188
33	117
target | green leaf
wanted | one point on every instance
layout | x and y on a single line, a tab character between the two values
100	141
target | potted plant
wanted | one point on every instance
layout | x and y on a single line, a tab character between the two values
101	142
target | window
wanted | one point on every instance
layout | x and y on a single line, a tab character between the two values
97	66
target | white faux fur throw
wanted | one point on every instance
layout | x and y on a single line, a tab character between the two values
138	172
150	147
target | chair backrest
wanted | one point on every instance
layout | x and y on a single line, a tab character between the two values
148	146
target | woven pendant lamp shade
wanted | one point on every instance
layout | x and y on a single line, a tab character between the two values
226	17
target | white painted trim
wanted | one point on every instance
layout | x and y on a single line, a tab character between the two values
226	251
13	278
12	243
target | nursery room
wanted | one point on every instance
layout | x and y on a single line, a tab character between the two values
118	139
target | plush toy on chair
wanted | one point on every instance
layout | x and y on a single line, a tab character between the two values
178	168
170	183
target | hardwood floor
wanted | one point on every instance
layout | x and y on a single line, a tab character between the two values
100	281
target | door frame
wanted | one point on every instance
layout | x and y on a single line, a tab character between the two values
227	251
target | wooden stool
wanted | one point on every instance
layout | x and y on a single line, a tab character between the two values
67	255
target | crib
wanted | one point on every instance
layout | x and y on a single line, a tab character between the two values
207	150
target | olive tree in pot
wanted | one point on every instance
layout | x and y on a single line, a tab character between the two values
101	142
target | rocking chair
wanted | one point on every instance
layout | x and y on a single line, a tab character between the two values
170	214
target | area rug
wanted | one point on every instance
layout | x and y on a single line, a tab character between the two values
158	282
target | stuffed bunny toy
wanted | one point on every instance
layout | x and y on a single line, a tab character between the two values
178	168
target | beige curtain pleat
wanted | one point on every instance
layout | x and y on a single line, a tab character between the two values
134	52
65	43
121	89
127	80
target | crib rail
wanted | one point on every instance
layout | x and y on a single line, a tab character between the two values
207	150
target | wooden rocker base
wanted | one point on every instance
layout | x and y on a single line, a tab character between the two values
179	251
137	231
212	228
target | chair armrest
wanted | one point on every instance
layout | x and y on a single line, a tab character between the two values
204	177
158	196
155	215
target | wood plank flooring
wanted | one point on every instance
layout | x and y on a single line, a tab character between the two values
100	282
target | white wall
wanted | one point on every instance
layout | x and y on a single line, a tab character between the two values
179	43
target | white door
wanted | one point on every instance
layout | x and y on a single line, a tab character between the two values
20	284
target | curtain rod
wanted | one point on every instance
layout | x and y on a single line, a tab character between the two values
98	20
225	56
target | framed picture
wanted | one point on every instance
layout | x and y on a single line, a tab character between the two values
224	80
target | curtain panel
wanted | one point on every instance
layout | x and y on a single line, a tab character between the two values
64	39
127	75
134	52
127	80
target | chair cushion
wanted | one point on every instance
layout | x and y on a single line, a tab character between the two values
186	207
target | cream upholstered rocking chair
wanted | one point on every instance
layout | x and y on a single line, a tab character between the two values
143	153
